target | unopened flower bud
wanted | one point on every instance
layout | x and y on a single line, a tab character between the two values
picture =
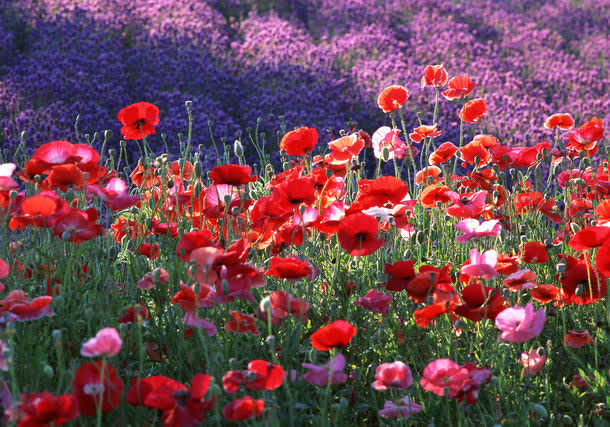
238	148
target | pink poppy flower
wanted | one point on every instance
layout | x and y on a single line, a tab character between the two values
473	230
375	301
395	375
402	408
520	324
159	275
106	342
532	362
332	371
462	382
388	137
481	264
196	322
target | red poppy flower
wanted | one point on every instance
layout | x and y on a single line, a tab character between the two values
534	252
136	312
349	146
423	131
581	284
232	380
585	138
560	120
21	309
138	120
392	98
291	268
378	192
444	152
434	75
193	240
300	141
589	238
423	316
336	334
243	409
577	339
95	383
432	172
434	193
472	150
189	301
480	302
232	174
459	86
242	323
545	293
62	176
505	157
181	406
401	273
602	258
473	110
41	409
263	375
357	234
294	192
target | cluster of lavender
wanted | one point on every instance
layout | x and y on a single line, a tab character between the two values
318	63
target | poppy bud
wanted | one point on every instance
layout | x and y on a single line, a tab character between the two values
580	289
65	236
227	199
540	411
188	104
575	227
198	170
23	136
107	134
539	157
56	334
225	286
238	148
123	143
420	237
13	194
385	154
477	160
328	173
48	371
270	341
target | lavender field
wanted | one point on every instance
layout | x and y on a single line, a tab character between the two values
317	63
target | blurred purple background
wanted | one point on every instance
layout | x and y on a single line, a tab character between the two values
319	63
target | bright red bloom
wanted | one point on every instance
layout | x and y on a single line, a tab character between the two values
336	334
78	225
459	86
589	238
378	192
423	316
505	156
181	406
534	252
193	240
577	339
263	375
62	176
581	284
545	293
392	98
602	259
560	120
138	120
291	268
21	309
423	131
480	302
444	152
96	382
434	193
346	147
232	174
473	110
401	273
242	323
243	409
472	150
585	138
42	409
432	172
357	234
300	141
434	75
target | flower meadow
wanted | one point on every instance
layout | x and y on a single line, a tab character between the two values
432	247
